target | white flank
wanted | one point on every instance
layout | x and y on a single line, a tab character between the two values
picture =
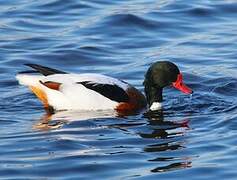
73	95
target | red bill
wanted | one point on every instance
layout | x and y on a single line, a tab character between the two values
178	84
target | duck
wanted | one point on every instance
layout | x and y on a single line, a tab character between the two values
59	90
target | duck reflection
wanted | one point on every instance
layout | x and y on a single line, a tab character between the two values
170	135
57	119
173	166
163	141
162	128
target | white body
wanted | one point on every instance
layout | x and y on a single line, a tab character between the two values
72	95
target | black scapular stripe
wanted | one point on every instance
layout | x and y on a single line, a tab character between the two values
45	70
113	92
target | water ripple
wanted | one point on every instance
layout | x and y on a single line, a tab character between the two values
191	136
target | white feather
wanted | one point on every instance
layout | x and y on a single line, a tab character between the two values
72	95
96	78
156	106
29	80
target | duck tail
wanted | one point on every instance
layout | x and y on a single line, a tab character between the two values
45	70
29	79
33	82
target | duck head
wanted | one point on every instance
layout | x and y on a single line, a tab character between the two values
158	76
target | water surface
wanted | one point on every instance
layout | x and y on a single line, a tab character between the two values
194	137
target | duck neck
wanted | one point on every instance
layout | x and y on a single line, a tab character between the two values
153	94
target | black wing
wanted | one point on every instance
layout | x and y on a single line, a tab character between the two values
111	91
45	70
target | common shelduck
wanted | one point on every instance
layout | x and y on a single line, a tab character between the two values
59	90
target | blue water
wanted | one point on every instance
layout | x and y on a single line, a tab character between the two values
195	137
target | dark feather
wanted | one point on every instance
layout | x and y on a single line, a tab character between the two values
45	70
113	92
28	72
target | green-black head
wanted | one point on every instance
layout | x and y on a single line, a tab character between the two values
160	75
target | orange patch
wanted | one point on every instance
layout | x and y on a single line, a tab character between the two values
41	95
137	101
51	85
